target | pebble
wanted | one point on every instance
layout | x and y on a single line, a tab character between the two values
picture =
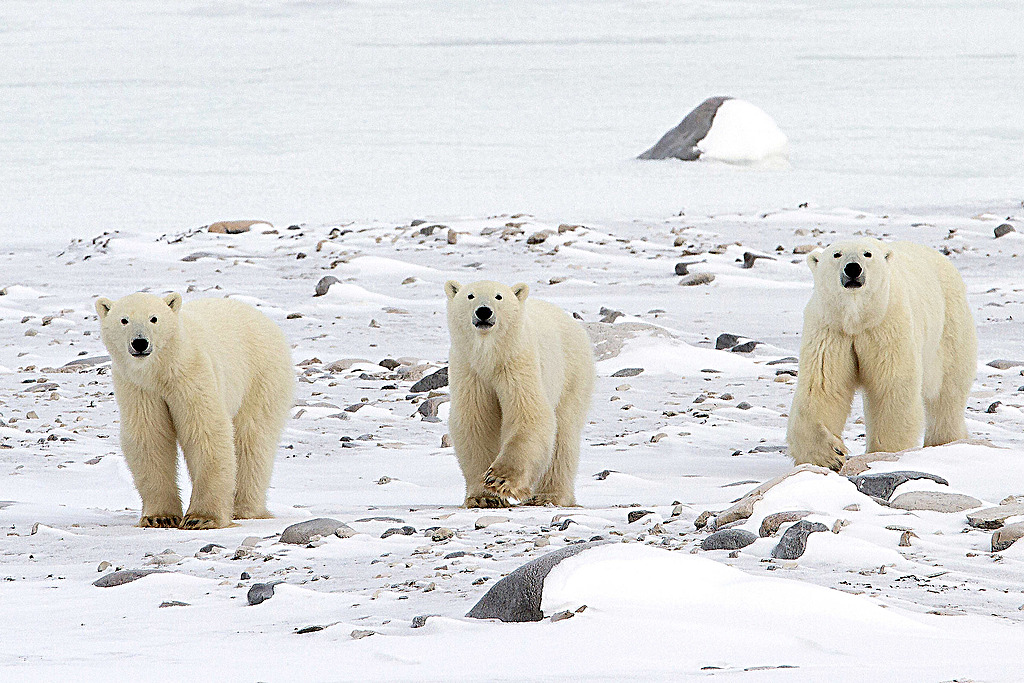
771	523
882	484
728	539
627	372
697	279
123	576
993	518
726	341
1007	536
936	501
325	284
488	520
636	515
174	603
260	592
794	542
434	380
299	534
399	531
358	633
1003	229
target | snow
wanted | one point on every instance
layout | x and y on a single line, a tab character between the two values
741	133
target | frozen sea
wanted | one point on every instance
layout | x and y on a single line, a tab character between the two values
165	115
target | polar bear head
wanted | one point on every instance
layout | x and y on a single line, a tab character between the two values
485	309
138	327
852	281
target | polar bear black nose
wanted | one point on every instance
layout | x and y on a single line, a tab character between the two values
852	270
140	344
484	313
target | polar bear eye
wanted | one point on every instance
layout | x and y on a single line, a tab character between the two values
470	297
498	297
867	254
837	254
124	321
153	319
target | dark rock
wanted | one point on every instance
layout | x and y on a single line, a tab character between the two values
749	257
682	268
627	372
174	603
726	341
635	515
993	407
1003	229
260	592
428	408
309	629
681	141
299	534
745	347
794	541
400	531
787	359
210	547
728	539
389	363
517	597
420	620
603	474
434	380
325	284
882	484
457	553
743	405
123	576
771	523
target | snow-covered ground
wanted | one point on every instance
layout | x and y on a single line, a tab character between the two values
697	428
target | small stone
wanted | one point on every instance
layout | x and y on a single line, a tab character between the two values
677	510
428	408
344	531
627	372
658	437
299	534
882	484
993	407
399	531
123	576
794	541
682	269
852	507
420	620
726	341
441	534
174	603
358	634
1003	229
293	316
389	363
771	523
935	501
562	616
234	227
611	316
993	518
538	237
636	515
749	257
325	284
446	441
260	592
838	525
804	248
434	380
1007	536
728	539
244	576
541	541
452	237
743	405
697	279
488	520
702	519
210	547
745	347
905	538
165	558
104	566
1004	364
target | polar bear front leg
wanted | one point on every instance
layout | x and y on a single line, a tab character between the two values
151	452
474	424
893	405
824	394
207	440
527	440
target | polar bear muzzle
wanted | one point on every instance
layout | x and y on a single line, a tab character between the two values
140	347
483	318
852	276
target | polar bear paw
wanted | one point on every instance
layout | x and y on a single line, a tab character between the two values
552	500
505	482
197	521
160	521
486	501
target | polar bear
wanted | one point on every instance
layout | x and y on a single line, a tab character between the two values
213	375
521	374
893	320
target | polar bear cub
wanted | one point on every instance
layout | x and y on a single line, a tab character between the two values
521	374
893	320
213	376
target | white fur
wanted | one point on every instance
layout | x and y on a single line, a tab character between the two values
520	393
219	383
906	337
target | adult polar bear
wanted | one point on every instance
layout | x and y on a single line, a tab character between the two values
893	320
213	375
521	374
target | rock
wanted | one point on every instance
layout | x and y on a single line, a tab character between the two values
905	538
794	542
210	547
636	515
702	519
517	597
446	440
749	257
627	372
103	566
174	603
452	236
360	633
726	341
488	520
299	534
743	405
389	363
420	620
434	380
441	534
395	520
935	501
234	227
344	531
682	268
745	347
325	284
993	518
771	523
744	507
882	484
167	557
681	141
1007	536
123	576
728	539
801	249
697	279
428	408
538	237
261	592
399	531
993	407
1003	364
562	616
1003	229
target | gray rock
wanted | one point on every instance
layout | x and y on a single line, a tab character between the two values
745	347
86	362
787	359
728	539
743	405
394	520
882	484
749	257
399	531
794	542
261	592
636	515
174	603
681	141
487	520
420	621
123	576
627	372
697	279
210	547
434	380
441	534
1003	229
325	284
517	597
935	501
726	341
1007	536
428	407
993	518
1003	364
299	534
771	523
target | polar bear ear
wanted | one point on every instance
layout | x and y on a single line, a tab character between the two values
173	301
521	290
813	257
451	288
103	306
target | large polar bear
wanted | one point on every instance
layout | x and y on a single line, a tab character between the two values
212	375
521	374
893	320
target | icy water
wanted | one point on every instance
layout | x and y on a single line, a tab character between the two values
165	115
